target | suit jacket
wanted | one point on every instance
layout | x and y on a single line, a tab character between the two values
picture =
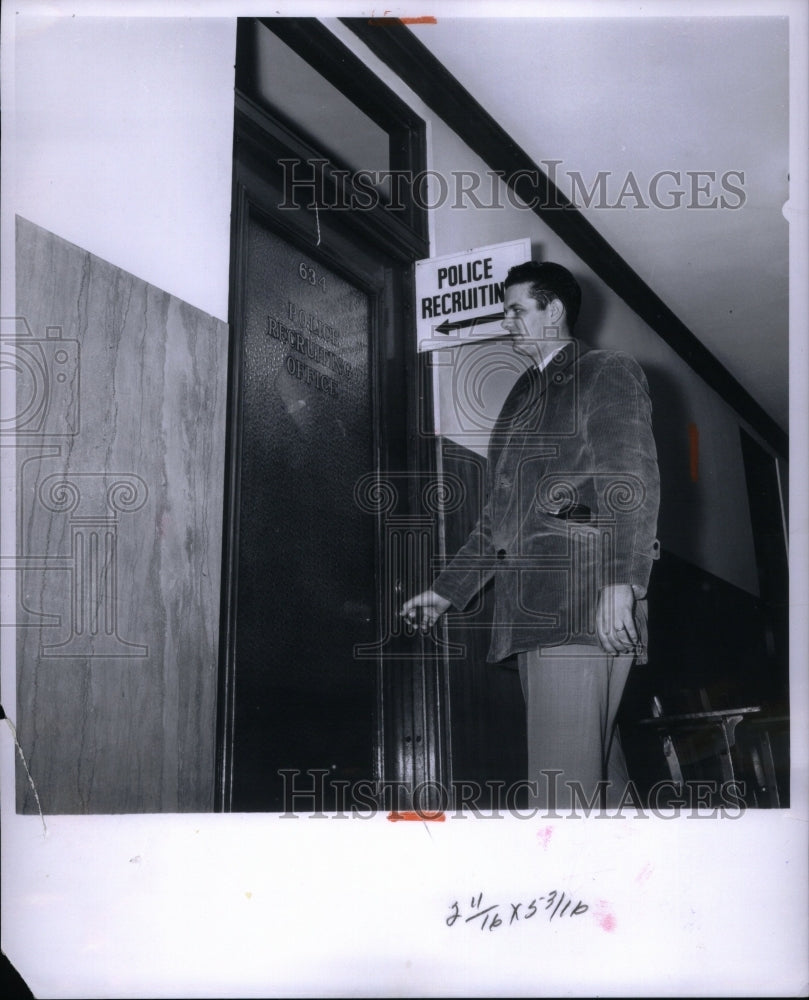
571	506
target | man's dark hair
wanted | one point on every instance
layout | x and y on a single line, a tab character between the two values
548	281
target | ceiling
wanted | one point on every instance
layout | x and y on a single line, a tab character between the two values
645	95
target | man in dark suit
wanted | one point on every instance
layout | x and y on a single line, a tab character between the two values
568	535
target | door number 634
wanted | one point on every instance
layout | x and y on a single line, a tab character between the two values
309	274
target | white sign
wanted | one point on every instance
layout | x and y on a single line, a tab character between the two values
459	297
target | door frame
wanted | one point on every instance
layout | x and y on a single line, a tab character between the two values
414	697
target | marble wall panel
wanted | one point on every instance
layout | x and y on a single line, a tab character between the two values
120	430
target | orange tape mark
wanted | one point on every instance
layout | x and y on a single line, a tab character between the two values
409	817
693	452
381	22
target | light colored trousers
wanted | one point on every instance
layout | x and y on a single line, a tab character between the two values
572	694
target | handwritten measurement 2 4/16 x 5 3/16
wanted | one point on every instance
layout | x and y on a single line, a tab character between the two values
552	904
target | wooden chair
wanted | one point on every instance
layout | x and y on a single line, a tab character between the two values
709	745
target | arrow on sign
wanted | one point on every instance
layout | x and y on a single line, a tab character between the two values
447	327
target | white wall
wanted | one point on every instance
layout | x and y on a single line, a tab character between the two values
123	143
